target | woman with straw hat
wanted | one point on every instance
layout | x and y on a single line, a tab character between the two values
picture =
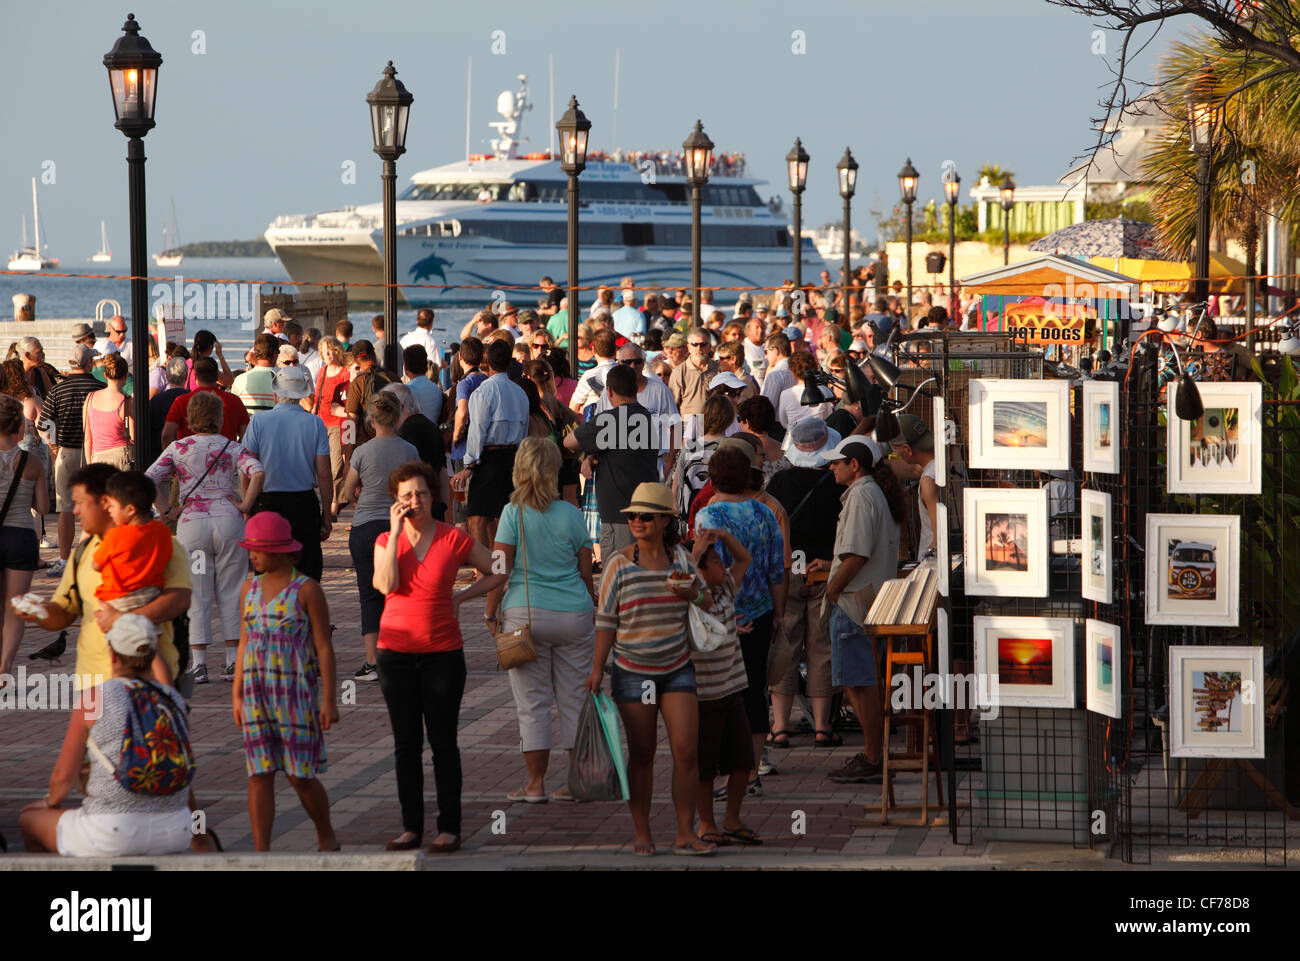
641	614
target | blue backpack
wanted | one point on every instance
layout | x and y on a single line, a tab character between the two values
156	757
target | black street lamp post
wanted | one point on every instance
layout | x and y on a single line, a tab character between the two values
797	163
1008	202
952	191
573	129
907	178
847	169
390	106
1200	116
133	80
698	150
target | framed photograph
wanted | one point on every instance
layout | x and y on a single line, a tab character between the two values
1097	565
1029	660
1219	452
942	555
1101	427
1192	569
1020	424
1005	542
940	444
1102	667
1216	702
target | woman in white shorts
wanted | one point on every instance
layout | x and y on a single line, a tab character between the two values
112	821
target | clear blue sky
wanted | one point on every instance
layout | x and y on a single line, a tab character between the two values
261	123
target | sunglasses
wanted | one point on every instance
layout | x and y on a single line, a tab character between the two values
543	346
632	363
115	330
644	518
701	345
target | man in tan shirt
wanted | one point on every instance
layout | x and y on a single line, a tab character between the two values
689	382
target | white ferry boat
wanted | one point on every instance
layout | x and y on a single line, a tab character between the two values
500	220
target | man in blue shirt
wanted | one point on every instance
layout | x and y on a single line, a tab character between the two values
628	321
498	422
294	447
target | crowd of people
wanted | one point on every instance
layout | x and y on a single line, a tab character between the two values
678	466
671	161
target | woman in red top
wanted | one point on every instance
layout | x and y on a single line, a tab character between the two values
421	654
331	386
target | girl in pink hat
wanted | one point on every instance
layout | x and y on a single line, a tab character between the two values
284	680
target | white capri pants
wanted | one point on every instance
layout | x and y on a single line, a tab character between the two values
220	564
565	642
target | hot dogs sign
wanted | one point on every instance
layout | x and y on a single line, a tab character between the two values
1043	323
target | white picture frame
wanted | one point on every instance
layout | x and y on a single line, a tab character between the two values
942	555
1005	540
1101	437
1019	424
940	434
1193	569
1103	668
1029	661
944	661
1219	718
1220	452
1097	567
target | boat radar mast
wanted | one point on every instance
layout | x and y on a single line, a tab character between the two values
511	106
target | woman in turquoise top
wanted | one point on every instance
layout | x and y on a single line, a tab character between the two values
549	589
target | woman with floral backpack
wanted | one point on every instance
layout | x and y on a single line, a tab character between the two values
141	764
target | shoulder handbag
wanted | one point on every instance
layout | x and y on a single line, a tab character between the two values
516	647
204	476
705	632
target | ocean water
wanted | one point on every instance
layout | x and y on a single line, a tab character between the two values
76	297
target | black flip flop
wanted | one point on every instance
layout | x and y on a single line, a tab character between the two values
744	837
832	739
771	741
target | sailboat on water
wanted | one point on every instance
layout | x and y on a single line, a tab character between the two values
170	255
103	255
32	258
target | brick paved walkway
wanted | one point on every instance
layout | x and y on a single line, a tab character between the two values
362	786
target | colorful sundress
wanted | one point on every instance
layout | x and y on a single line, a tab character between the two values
281	685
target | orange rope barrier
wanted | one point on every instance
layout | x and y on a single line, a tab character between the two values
996	288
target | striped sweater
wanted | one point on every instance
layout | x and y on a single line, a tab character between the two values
721	672
648	620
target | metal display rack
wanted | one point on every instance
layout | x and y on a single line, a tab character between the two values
1071	775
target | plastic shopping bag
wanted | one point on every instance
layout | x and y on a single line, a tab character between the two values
597	771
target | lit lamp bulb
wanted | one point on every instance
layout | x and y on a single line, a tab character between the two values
131	102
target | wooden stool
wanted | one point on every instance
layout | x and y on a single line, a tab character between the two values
922	753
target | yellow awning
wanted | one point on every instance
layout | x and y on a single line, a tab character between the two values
1174	276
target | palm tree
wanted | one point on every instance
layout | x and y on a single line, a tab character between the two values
994	173
1257	139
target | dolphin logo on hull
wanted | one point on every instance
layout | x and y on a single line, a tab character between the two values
430	266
